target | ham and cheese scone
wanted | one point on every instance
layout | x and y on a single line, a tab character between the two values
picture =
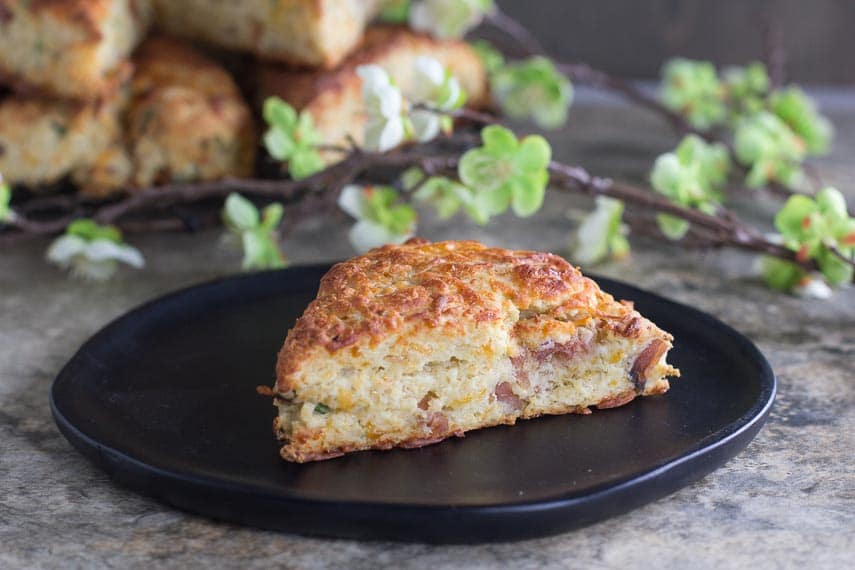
408	345
334	98
69	48
316	33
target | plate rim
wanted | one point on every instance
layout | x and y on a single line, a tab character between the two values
730	440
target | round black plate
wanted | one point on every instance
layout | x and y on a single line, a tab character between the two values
164	400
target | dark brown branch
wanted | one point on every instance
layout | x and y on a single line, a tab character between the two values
774	56
520	34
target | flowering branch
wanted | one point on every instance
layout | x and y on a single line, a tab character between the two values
587	75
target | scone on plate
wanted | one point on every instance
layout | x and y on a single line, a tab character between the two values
334	98
408	345
317	33
69	48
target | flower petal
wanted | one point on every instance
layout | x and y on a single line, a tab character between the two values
64	248
366	235
103	250
352	201
426	125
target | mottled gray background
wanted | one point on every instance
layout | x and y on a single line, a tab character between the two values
634	37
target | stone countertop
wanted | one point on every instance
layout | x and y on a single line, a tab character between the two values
787	501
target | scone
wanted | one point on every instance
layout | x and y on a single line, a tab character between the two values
334	98
43	140
186	120
408	345
69	48
317	33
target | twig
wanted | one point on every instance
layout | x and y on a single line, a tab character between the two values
775	56
515	30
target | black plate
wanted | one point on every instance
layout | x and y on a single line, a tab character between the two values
164	400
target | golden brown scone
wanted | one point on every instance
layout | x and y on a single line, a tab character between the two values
408	345
69	48
317	33
334	98
43	140
186	120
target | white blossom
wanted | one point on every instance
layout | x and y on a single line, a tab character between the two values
92	259
367	233
432	85
597	230
813	287
448	18
384	105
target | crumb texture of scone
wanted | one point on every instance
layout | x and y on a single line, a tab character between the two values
408	345
316	33
43	140
69	48
334	98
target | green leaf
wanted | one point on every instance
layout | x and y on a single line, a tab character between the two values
305	162
91	230
490	56
506	172
674	228
619	246
271	216
600	234
494	202
533	89
831	204
279	144
790	219
534	153
239	213
499	140
277	113
835	270
527	194
798	111
765	144
692	88
481	170
780	274
6	213
395	11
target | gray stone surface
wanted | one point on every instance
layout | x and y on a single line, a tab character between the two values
787	501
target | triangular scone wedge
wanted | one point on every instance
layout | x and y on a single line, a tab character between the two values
408	345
